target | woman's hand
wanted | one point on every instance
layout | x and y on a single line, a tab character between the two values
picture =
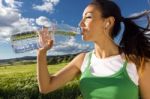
45	39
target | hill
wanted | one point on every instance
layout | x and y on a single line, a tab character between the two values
32	59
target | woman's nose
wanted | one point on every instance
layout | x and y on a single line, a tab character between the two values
81	23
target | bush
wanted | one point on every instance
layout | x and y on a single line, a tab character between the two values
28	89
19	82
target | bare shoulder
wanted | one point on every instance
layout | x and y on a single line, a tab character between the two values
144	82
78	60
147	66
146	71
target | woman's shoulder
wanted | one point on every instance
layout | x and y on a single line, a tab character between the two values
145	81
147	63
82	55
146	69
80	58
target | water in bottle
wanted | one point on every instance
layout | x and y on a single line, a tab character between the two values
29	40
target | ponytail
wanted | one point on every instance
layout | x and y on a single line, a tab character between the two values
136	41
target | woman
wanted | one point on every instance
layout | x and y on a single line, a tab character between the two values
112	70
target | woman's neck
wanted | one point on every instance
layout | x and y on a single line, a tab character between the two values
106	50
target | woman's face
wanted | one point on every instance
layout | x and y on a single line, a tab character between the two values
92	24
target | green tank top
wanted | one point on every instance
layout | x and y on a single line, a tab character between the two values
116	86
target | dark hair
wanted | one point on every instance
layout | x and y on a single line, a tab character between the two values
135	43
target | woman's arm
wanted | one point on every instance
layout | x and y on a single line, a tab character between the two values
47	82
144	82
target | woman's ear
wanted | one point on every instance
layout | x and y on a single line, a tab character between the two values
109	22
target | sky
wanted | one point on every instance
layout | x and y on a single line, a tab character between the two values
22	15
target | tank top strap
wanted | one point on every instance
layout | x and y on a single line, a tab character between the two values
125	64
89	59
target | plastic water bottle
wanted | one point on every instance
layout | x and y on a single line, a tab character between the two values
29	40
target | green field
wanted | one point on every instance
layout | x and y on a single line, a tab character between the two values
19	82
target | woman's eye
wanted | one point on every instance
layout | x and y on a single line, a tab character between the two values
88	17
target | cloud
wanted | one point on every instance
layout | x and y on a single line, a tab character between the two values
5	31
8	16
24	24
69	45
9	12
1	3
13	3
11	20
43	21
47	6
55	2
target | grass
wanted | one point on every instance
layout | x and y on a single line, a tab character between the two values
19	82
